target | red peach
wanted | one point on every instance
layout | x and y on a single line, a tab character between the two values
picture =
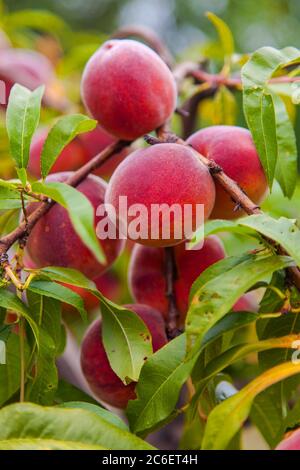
163	175
53	240
102	380
128	89
291	441
233	149
147	273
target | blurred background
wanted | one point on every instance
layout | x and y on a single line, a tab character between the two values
182	22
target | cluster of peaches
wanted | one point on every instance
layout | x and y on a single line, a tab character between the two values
130	91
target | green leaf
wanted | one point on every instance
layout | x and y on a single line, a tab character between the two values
126	338
40	20
125	329
279	394
284	231
58	292
10	301
159	385
34	427
212	227
258	103
98	410
221	285
47	314
227	418
80	211
9	199
286	169
67	391
224	32
225	107
22	118
22	175
10	372
63	131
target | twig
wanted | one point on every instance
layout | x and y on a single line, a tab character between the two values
171	276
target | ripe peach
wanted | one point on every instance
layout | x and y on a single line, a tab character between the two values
53	240
102	380
97	140
128	89
26	67
233	149
146	275
161	176
72	157
291	441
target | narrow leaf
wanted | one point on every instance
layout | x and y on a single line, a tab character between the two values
228	417
79	209
22	118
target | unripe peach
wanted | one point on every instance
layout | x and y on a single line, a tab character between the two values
233	149
102	380
160	177
291	441
146	275
54	242
128	89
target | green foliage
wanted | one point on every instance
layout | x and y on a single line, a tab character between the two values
273	137
79	209
22	118
62	428
63	131
158	389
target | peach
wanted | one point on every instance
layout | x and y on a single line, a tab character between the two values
233	149
159	177
291	441
146	276
53	240
103	381
26	67
72	157
128	88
